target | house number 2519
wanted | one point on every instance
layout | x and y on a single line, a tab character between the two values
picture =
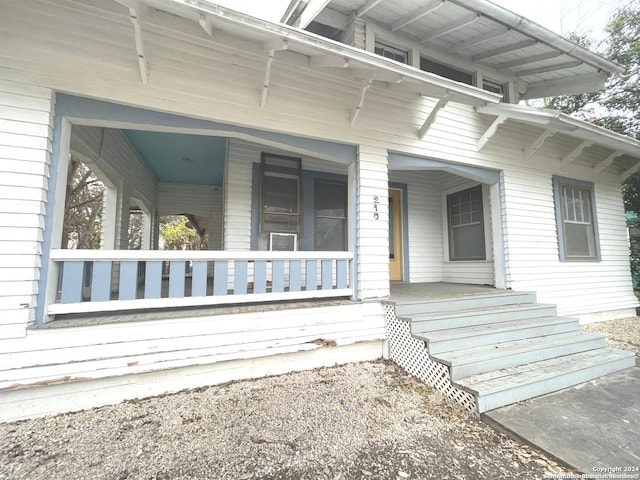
376	202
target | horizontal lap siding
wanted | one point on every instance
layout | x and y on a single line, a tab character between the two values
25	145
577	288
425	224
221	78
118	349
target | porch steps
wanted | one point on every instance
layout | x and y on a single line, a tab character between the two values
504	347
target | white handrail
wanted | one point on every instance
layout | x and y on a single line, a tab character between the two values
186	255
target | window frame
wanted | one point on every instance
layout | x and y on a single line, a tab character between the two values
275	170
317	181
563	182
392	48
449	228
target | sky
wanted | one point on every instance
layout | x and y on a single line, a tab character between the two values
567	16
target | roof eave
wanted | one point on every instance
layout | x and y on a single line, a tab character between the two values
325	46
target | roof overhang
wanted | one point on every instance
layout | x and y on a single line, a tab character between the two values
623	149
477	35
364	67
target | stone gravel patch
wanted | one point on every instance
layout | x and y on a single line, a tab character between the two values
366	420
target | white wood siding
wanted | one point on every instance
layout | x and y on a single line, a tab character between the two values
97	351
26	113
221	78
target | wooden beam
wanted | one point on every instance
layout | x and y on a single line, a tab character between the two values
607	161
491	131
328	61
417	14
205	23
137	33
548	68
495	33
271	48
537	144
440	104
363	91
575	153
626	174
366	7
267	79
506	49
452	27
526	60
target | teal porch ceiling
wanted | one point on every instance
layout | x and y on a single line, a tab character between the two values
180	158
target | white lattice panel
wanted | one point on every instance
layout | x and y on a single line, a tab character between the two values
412	355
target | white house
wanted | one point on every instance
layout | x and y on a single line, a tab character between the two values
367	182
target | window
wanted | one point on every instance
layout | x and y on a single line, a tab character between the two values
393	53
466	225
280	194
493	87
331	215
445	71
576	219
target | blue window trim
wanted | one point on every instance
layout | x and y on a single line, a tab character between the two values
406	275
559	182
306	241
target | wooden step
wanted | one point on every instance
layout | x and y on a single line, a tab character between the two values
494	333
510	385
478	360
422	323
464	303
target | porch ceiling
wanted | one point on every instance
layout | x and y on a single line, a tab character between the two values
478	32
180	158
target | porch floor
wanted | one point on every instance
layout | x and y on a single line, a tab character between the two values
402	293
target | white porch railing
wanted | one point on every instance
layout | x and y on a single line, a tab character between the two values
112	280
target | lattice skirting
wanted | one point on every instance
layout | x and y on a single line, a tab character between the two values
413	355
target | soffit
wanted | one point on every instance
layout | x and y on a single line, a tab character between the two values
363	68
621	150
483	34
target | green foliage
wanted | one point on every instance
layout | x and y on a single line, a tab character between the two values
178	234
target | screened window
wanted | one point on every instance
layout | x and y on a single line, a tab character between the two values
331	215
466	225
393	53
280	194
575	215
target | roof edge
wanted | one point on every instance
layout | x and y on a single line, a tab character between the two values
331	47
524	25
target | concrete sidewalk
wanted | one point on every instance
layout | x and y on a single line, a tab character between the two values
590	427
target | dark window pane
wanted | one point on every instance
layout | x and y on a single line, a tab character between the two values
279	194
331	199
330	234
468	243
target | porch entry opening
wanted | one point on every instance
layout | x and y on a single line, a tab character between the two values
395	235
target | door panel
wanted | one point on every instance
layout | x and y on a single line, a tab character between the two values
395	236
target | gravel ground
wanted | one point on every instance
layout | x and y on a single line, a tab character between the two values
359	421
622	333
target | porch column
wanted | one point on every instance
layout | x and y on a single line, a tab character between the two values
372	223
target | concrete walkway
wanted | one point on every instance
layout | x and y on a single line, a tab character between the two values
591	427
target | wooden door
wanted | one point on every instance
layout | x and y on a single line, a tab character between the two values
395	235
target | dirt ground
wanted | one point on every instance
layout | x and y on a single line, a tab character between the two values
359	421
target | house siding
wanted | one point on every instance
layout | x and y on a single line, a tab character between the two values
188	72
26	113
87	49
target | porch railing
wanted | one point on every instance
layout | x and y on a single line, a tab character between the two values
112	280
